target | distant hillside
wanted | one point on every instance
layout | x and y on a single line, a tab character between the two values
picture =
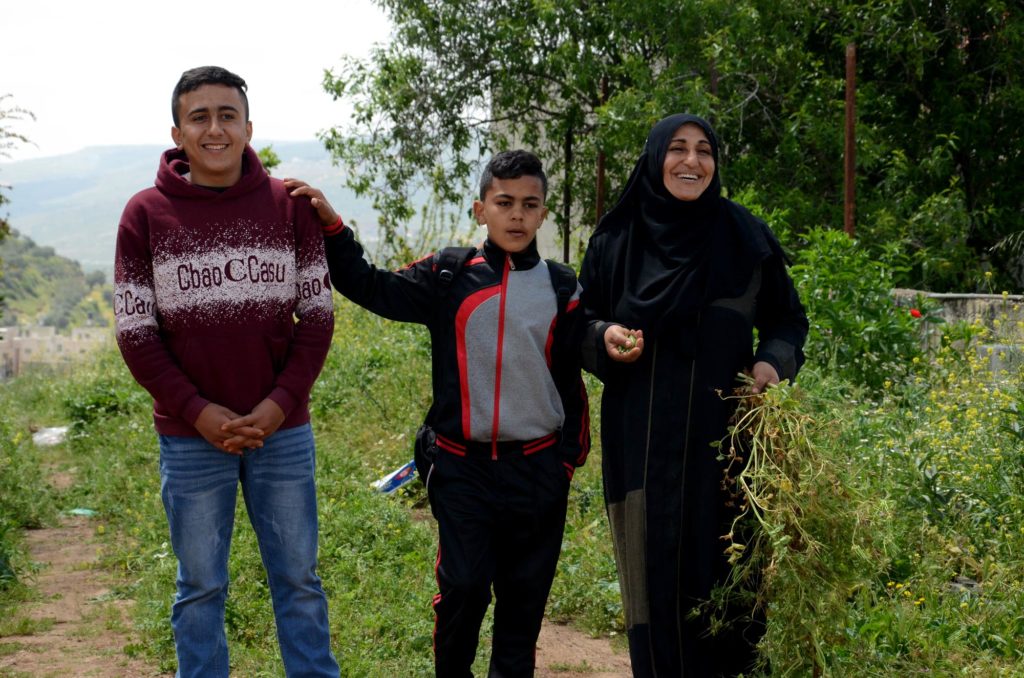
40	287
73	202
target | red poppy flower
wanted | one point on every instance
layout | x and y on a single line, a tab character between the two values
915	313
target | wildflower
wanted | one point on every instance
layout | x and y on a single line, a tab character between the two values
915	313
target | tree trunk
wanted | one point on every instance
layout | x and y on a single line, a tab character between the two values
567	195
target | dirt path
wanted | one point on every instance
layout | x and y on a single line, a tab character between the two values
563	651
80	631
75	628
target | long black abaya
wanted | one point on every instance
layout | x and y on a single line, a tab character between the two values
697	278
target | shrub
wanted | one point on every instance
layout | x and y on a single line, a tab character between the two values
857	331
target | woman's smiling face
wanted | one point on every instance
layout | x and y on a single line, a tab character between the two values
689	163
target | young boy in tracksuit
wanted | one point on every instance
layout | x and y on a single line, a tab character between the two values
509	412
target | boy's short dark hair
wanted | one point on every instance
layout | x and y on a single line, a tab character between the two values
512	165
194	78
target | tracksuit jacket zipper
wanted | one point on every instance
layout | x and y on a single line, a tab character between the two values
503	292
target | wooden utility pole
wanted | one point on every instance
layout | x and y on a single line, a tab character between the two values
567	196
713	88
851	138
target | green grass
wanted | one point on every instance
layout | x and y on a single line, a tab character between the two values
930	472
24	626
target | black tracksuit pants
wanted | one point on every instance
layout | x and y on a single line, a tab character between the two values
500	524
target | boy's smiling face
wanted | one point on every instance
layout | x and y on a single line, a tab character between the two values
213	133
512	210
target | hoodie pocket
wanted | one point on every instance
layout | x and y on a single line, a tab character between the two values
236	370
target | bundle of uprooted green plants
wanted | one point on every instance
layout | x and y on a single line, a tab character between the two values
801	543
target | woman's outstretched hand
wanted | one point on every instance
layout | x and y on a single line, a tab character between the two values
623	344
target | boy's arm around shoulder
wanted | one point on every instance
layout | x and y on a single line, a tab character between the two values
137	321
568	376
405	295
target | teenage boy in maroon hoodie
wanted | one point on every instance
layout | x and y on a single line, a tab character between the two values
224	315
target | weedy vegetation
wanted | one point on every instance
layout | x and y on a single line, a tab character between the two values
883	494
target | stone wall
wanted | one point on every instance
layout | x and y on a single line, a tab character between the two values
1003	314
25	348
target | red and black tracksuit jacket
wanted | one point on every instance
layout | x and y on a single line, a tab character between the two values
511	419
505	366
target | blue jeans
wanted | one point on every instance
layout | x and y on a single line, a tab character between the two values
198	484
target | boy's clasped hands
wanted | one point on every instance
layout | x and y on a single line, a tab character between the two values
234	433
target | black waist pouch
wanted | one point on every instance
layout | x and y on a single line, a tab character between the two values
424	451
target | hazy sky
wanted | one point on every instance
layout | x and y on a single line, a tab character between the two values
99	72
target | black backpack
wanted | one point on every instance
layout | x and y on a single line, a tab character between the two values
451	260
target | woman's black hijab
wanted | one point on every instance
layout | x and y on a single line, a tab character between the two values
678	254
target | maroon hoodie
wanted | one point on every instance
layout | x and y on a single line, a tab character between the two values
208	289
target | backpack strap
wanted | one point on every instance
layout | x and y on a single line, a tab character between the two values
563	280
448	264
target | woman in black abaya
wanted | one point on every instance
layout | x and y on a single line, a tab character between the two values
675	280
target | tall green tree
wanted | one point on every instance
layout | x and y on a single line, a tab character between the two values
939	97
939	100
462	77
